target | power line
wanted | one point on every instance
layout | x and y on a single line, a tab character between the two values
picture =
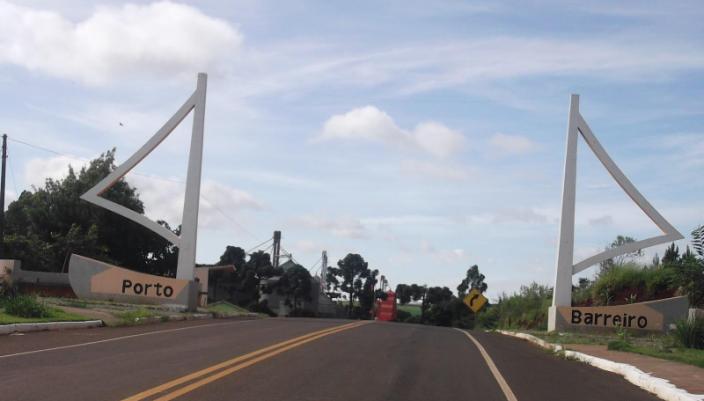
36	146
12	175
258	246
232	220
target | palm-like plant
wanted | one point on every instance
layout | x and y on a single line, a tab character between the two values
698	240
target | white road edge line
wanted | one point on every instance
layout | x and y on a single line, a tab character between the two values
655	385
492	367
107	340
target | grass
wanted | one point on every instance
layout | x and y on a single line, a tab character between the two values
226	308
55	315
76	303
689	356
414	310
655	345
135	316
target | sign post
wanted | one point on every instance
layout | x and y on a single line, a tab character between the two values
475	300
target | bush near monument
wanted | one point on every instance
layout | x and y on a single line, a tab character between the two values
25	306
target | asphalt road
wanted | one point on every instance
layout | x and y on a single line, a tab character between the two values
293	359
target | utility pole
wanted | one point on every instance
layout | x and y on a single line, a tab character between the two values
276	250
323	271
2	196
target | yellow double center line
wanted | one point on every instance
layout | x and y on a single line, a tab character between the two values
220	370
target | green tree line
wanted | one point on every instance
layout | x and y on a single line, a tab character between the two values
438	305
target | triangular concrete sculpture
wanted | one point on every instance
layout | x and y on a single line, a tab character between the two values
186	242
566	268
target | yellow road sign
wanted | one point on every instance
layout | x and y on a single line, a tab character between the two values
475	300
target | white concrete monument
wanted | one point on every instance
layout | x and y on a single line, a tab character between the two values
566	268
186	242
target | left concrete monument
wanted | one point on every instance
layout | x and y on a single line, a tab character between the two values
186	242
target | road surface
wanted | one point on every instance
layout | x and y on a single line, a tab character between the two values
293	359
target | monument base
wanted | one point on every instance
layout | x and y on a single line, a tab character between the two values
93	279
659	315
552	320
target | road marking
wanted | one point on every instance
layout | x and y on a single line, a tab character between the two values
239	363
107	340
492	367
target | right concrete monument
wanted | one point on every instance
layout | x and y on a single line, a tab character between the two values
565	266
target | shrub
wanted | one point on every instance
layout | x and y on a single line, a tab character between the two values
659	280
615	280
488	318
690	334
632	283
527	309
619	345
402	315
412	319
26	306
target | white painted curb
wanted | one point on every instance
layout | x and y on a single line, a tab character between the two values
27	327
660	387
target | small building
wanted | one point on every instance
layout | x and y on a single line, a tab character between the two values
320	305
213	283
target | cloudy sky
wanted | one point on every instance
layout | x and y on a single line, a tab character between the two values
425	137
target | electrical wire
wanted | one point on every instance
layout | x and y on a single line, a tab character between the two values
259	246
12	175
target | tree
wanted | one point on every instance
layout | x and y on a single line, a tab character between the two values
403	294
698	240
439	306
620	260
295	285
233	255
691	278
45	225
367	296
584	283
473	279
672	255
246	282
348	277
656	260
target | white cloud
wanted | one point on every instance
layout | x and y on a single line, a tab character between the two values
163	200
217	199
512	144
341	227
162	197
371	124
437	139
38	170
366	123
158	39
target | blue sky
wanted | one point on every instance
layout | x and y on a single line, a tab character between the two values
427	137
